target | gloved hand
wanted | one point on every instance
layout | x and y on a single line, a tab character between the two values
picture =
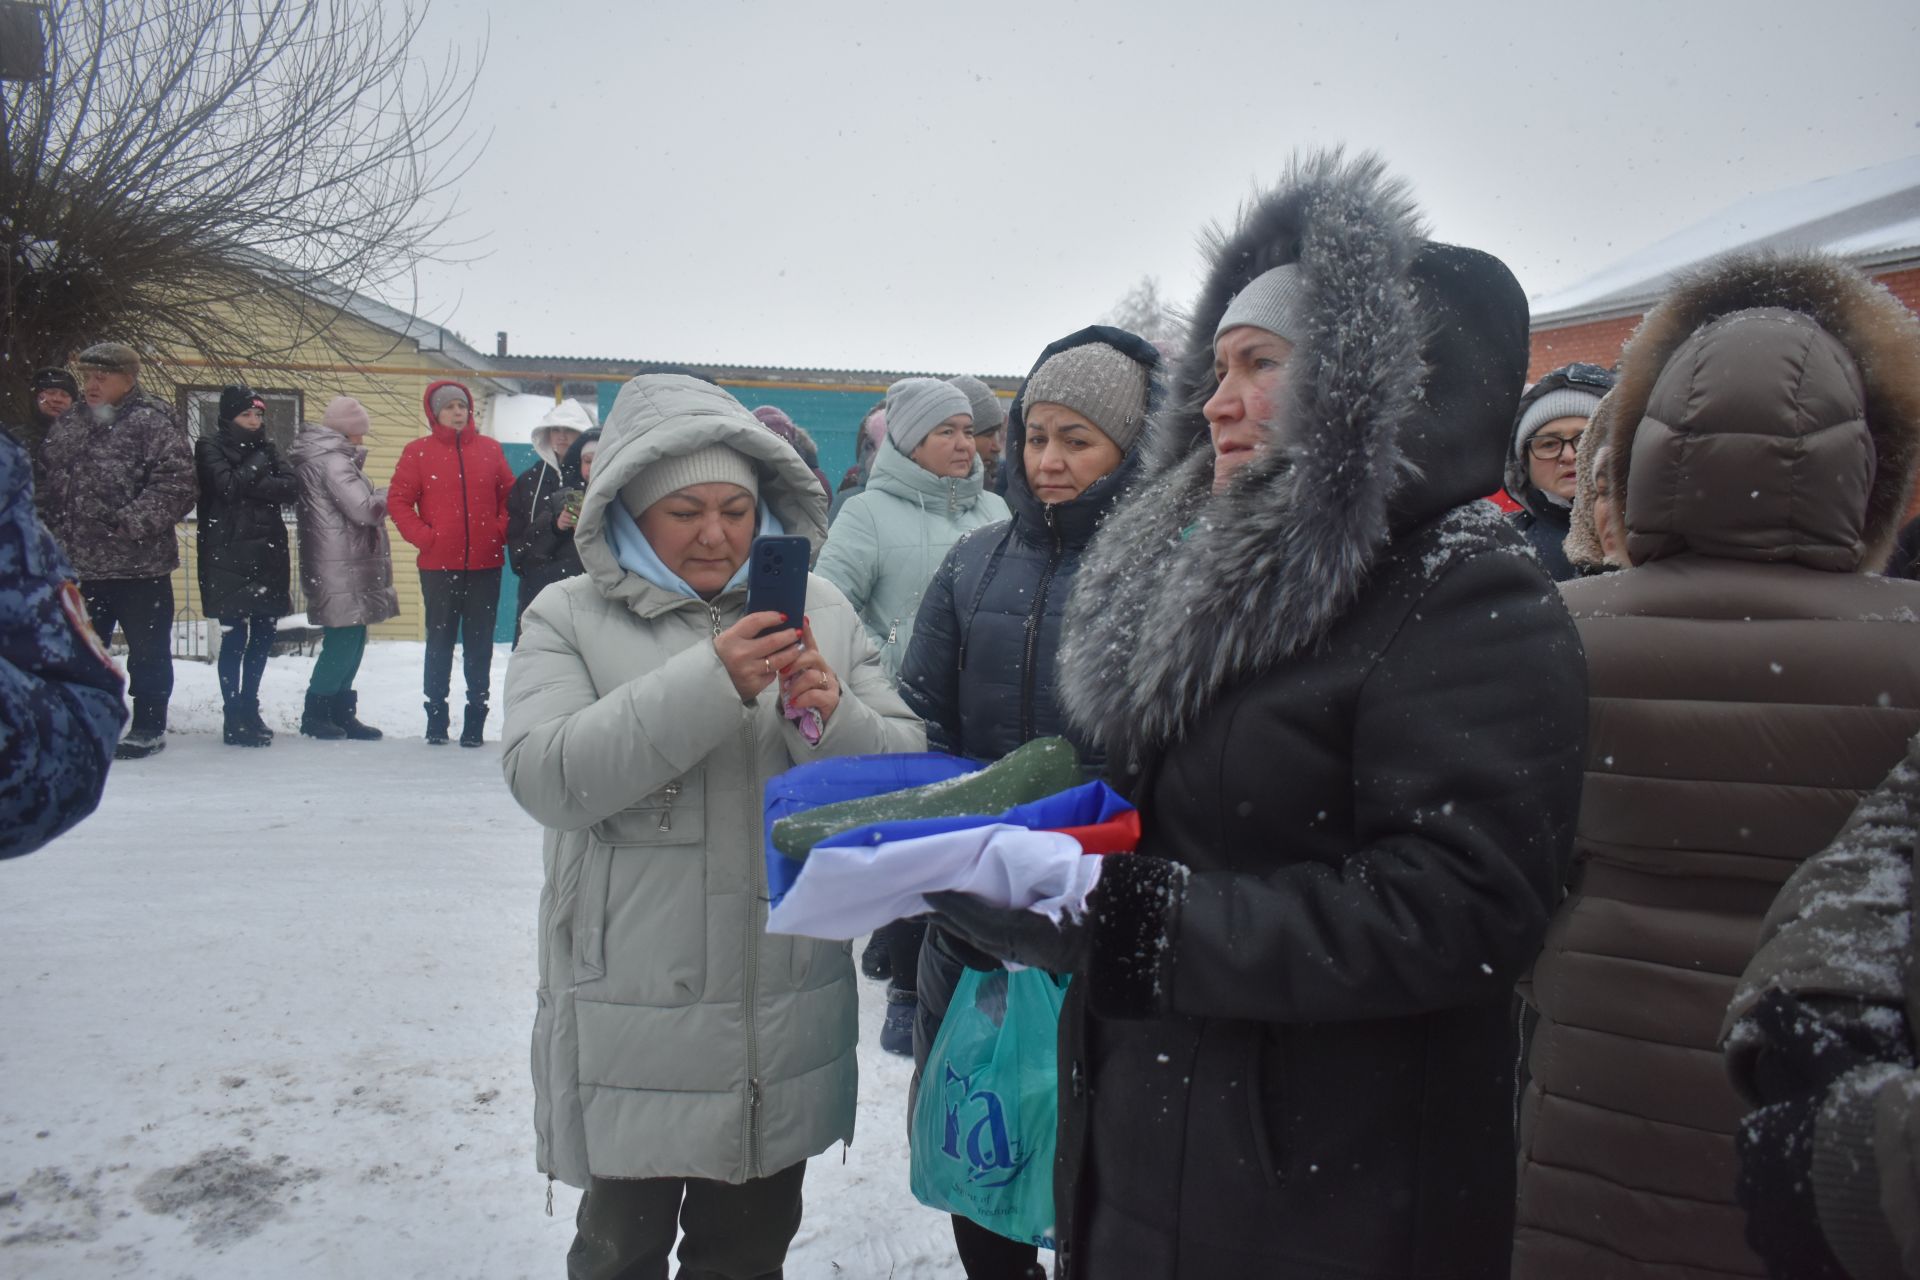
1802	1053
1012	934
1775	1187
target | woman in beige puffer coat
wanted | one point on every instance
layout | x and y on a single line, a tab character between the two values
678	1049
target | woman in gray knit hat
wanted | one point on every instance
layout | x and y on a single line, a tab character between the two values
1541	468
980	670
926	490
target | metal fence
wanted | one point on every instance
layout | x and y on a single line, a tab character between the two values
196	637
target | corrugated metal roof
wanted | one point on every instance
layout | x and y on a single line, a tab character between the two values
1870	216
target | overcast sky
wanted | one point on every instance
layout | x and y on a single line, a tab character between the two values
856	185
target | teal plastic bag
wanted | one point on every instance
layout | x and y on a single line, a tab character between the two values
983	1127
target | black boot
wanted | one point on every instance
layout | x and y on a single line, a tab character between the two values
316	721
148	734
438	718
473	729
254	721
344	707
238	730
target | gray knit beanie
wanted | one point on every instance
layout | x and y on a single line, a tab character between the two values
445	395
706	465
915	406
989	415
1567	402
1272	300
1102	384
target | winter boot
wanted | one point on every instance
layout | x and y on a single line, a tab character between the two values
148	734
237	729
876	959
344	707
473	729
316	721
254	721
438	718
896	1033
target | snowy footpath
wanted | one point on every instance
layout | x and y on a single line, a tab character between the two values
266	1013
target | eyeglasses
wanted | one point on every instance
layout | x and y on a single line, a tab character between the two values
1547	448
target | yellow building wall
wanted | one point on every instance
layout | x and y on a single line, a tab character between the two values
392	395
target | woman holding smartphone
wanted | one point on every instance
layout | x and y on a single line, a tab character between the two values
686	1063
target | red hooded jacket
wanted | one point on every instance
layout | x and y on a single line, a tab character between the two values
449	494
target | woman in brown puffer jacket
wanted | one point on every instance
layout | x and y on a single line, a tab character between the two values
1750	680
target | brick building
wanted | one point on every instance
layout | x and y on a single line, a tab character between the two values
1870	217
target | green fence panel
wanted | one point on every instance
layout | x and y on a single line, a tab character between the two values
831	417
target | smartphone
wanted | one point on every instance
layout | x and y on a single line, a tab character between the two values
777	578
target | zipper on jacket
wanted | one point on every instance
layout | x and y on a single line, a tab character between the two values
466	512
753	901
1034	617
672	792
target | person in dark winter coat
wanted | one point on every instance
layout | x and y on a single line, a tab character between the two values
449	499
118	476
539	524
1541	470
981	668
989	429
244	569
53	392
775	419
346	565
1823	1037
1350	708
1751	680
60	695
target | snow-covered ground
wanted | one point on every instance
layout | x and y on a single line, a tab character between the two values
266	1013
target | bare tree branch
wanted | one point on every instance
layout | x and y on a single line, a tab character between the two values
217	178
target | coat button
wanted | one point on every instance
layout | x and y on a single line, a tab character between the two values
1077	1081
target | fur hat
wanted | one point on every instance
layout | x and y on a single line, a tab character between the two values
109	357
715	463
1101	383
915	406
989	415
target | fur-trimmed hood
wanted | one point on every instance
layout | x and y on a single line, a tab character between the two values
1398	409
1768	408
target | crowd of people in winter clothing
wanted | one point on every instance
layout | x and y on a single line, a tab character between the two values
1519	895
1455	943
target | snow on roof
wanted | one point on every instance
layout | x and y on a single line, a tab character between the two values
1868	216
512	417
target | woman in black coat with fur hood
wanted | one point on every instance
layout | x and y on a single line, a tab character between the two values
1351	708
244	565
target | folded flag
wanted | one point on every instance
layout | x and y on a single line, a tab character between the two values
1041	855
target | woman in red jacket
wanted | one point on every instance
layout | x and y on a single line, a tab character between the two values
449	498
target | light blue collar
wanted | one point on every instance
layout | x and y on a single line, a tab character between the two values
636	555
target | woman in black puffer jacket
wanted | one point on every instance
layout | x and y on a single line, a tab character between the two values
980	667
244	568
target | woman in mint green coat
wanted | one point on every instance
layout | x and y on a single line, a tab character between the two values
927	489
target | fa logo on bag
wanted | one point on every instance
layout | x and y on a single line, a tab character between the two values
992	1157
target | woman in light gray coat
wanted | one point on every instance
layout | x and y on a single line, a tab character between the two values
686	1064
926	490
346	567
